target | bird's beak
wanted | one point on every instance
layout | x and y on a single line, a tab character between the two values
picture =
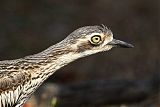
120	43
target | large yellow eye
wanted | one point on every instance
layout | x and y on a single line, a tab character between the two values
96	39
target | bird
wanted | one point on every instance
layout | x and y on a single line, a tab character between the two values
20	78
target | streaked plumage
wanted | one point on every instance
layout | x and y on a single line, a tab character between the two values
21	77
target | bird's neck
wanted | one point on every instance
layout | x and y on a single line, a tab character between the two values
51	60
42	65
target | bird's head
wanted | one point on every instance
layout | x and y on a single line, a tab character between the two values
93	39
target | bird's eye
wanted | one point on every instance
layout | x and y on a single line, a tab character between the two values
96	39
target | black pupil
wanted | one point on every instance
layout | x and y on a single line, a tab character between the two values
96	38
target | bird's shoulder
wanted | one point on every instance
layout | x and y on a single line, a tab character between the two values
12	74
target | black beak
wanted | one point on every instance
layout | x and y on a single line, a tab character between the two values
120	44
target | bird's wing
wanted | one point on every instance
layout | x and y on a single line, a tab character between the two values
10	80
11	83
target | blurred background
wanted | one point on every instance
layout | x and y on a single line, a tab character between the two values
118	78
